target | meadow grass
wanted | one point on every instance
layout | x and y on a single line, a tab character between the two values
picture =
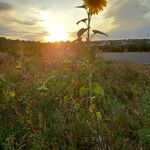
73	105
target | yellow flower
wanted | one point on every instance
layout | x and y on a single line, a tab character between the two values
99	115
95	6
12	94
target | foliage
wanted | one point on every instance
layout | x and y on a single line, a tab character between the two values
50	105
134	45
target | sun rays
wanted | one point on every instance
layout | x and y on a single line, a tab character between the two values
55	30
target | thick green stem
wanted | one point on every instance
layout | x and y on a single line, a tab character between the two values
89	56
89	25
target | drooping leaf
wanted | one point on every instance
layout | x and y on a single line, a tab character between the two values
99	32
83	20
97	89
81	32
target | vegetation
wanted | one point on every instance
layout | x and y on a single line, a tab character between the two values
14	46
132	45
46	103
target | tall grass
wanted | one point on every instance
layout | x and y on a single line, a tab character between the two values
47	105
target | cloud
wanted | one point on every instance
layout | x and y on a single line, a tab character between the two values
10	32
5	6
127	14
28	22
22	29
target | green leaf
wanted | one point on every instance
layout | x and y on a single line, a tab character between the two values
77	106
83	20
83	91
66	99
99	32
43	88
97	89
81	32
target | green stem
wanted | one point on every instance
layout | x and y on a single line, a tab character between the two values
89	55
90	83
89	25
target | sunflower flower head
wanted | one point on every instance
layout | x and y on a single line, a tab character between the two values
95	6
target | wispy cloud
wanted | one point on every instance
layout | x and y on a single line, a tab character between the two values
28	22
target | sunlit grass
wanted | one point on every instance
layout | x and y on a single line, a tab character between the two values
47	103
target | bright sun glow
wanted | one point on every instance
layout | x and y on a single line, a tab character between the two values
57	33
55	30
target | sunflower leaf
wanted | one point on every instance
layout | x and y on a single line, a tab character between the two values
81	32
99	32
83	20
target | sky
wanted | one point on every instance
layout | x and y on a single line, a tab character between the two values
55	20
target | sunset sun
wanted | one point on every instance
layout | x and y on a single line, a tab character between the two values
56	33
55	30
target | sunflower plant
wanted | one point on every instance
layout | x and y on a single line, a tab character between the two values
92	7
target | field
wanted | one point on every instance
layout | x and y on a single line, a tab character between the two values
71	103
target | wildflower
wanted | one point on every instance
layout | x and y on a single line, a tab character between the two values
12	94
99	115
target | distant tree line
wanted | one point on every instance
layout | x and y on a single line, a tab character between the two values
15	47
142	45
56	50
